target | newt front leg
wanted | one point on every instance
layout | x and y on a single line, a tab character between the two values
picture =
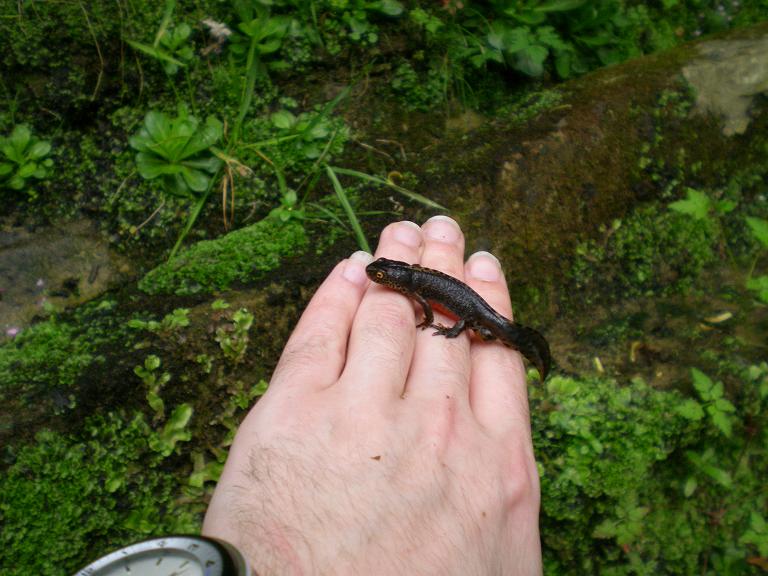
429	316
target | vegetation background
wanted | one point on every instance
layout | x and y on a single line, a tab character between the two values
220	147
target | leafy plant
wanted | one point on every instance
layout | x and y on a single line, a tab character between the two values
178	318
758	285
174	431
233	338
154	382
700	206
261	37
23	157
715	404
178	151
171	48
204	471
355	16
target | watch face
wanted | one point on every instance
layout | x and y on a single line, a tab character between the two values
171	556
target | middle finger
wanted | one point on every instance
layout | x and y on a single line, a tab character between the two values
441	365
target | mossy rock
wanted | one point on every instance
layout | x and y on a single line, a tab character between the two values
244	255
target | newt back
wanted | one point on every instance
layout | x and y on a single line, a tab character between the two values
425	284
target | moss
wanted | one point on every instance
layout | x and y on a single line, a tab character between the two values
51	353
652	251
630	476
75	498
240	256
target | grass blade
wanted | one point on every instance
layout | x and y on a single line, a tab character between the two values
354	222
383	182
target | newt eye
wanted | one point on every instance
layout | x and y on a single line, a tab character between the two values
379	275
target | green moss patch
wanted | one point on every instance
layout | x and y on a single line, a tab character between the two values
652	251
632	476
51	352
241	256
65	499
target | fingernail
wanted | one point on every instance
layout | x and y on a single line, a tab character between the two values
408	233
484	266
442	228
354	268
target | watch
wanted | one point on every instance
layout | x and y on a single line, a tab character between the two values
172	556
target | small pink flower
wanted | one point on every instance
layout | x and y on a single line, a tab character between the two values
12	332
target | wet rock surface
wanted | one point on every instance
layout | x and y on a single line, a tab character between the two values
728	75
531	191
56	266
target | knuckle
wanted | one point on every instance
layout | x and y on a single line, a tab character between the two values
321	343
520	480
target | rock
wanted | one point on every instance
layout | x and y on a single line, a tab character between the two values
727	76
531	187
58	266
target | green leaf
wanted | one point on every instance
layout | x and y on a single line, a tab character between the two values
157	126
757	522
210	473
15	156
702	383
559	5
759	228
152	362
5	168
270	46
38	150
725	206
283	119
26	170
150	166
531	60
606	529
690	486
344	201
195	179
16	182
20	137
690	409
173	432
156	53
724	405
205	137
381	181
563	64
759	285
209	164
388	7
696	204
516	39
529	17
723	422
156	403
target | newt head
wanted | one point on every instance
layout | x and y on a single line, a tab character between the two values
391	273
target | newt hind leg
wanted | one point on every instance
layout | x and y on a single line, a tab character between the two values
449	331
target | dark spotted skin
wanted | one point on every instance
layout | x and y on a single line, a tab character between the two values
425	284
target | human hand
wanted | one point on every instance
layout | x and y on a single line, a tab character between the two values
380	449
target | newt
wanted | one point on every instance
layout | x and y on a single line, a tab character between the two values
425	285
